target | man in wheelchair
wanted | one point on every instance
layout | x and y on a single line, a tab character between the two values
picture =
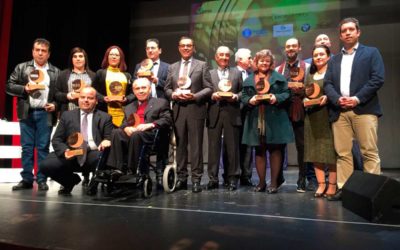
144	119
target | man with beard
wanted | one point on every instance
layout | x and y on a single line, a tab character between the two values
289	68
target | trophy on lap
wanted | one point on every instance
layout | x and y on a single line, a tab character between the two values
76	144
36	76
313	94
225	86
296	75
145	68
116	91
262	88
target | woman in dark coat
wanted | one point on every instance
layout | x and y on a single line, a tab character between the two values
267	125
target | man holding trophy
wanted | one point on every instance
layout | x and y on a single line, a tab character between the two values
224	120
79	138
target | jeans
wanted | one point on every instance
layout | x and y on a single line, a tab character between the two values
35	133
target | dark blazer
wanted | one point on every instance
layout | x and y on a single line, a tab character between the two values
99	84
201	88
367	77
157	111
278	127
62	88
161	75
70	123
16	87
233	108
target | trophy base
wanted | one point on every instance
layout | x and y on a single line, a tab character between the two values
74	152
295	85
36	86
225	94
144	74
75	95
116	98
264	97
184	91
311	102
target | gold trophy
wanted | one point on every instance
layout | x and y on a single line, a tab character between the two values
77	86
133	120
145	68
262	88
77	145
184	83
225	86
296	75
313	94
35	78
116	91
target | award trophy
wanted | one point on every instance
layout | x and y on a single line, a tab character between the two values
75	142
77	86
184	83
225	86
296	75
35	78
313	93
262	88
133	120
145	68
116	92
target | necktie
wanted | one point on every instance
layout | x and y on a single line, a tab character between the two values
185	68
84	131
153	85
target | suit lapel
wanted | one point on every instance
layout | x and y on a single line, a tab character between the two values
193	66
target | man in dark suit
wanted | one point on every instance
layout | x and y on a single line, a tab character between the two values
95	127
158	78
189	86
351	83
127	141
224	120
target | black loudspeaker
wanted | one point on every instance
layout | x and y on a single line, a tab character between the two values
373	197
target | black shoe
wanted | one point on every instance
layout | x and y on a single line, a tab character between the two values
334	197
246	182
301	185
232	186
42	186
226	183
22	185
181	185
196	188
281	181
212	185
272	190
66	189
260	188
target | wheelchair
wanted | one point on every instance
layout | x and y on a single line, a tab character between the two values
116	182
170	176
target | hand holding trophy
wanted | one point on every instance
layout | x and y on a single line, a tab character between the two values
225	86
76	144
296	76
77	86
184	84
36	76
313	92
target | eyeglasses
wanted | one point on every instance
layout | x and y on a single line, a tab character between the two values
113	54
185	45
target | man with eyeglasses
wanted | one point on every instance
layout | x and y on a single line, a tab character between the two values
158	78
189	86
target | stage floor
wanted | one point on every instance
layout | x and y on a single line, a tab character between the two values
216	219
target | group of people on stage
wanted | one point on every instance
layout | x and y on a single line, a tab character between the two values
323	104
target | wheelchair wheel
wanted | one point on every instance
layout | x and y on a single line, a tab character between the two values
169	178
147	188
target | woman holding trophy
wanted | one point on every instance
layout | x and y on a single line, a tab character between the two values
113	84
267	126
318	138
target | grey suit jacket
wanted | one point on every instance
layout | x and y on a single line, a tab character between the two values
233	108
201	87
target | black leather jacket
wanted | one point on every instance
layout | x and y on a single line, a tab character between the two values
16	87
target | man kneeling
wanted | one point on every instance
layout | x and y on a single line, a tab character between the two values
128	139
95	129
